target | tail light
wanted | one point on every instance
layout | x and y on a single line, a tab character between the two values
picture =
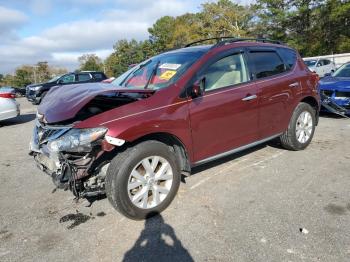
7	95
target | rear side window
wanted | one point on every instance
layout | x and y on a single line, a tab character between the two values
83	77
99	76
266	63
289	56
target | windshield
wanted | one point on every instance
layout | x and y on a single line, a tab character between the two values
343	71
159	71
310	62
54	79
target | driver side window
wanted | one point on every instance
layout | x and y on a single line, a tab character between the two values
228	71
67	79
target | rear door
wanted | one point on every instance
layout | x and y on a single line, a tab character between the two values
276	84
226	116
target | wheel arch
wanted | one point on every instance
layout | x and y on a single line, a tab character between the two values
180	149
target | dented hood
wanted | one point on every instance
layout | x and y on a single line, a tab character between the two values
64	102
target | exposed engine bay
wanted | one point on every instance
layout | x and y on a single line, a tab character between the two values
78	159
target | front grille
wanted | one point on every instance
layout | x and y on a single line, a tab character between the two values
328	92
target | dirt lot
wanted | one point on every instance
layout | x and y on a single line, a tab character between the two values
248	207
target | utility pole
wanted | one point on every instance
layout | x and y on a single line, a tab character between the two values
34	69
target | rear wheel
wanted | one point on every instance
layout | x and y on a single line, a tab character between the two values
301	128
143	180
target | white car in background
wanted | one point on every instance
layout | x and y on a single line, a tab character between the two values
320	66
9	108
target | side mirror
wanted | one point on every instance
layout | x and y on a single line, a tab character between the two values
198	88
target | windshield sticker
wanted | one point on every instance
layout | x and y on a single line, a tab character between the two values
167	75
170	66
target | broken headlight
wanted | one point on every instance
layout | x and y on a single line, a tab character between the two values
77	140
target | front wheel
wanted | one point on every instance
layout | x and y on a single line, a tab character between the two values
143	180
301	128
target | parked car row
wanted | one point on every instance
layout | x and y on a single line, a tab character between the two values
133	138
36	92
320	66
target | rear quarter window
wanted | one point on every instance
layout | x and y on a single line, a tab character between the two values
289	57
99	76
266	63
83	77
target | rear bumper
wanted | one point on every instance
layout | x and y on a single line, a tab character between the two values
9	108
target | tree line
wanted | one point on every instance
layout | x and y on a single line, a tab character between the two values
28	74
313	27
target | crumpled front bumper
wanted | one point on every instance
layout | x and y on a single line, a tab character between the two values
47	161
337	105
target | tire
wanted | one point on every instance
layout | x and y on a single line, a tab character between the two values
119	178
290	139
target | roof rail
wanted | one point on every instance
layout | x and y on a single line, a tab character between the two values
230	39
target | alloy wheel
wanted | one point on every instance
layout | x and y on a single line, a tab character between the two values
304	126
150	182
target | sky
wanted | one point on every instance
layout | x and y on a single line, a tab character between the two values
59	31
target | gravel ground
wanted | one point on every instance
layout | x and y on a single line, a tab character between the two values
265	204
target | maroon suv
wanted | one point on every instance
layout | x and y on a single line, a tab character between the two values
133	138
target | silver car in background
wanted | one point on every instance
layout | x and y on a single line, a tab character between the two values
9	108
320	66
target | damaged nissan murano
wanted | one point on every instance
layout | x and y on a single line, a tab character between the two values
134	138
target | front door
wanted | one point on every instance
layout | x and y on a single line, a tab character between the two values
226	115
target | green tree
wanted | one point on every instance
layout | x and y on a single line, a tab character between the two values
127	53
7	80
90	62
42	72
23	76
162	33
224	18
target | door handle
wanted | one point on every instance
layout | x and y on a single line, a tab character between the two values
295	84
248	98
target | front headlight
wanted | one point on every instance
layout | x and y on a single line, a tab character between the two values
36	88
77	140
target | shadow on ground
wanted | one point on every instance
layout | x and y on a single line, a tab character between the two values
21	119
157	242
273	143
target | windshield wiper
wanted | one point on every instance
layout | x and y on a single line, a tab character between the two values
154	71
133	72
